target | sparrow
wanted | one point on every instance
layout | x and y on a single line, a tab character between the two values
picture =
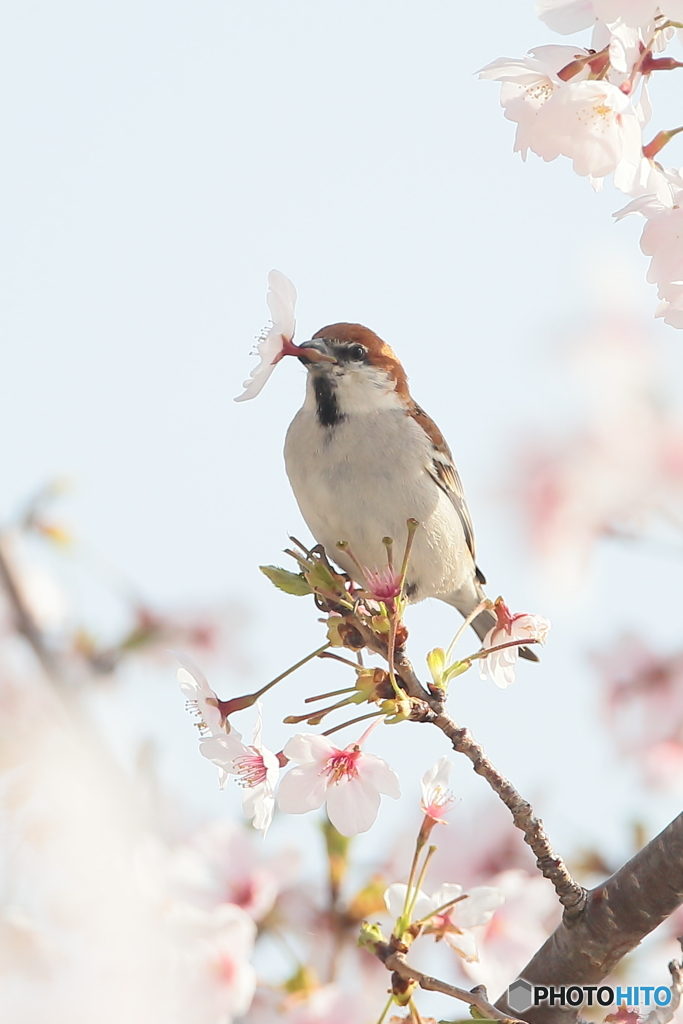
363	457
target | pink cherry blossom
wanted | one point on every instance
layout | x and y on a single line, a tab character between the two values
281	299
348	780
437	798
454	923
257	770
643	708
384	584
201	700
500	665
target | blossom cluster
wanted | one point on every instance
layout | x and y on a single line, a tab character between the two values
592	105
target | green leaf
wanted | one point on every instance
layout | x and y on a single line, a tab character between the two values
290	582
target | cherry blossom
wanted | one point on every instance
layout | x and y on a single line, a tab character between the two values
281	299
643	708
213	950
348	780
437	798
566	16
201	700
257	770
500	665
527	85
452	923
518	927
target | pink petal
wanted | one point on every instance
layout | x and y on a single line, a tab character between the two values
352	805
302	789
307	746
380	775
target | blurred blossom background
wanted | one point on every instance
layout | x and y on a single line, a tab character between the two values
161	158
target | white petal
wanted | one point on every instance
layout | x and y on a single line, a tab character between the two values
394	898
479	906
302	789
307	746
281	299
258	804
464	944
352	805
191	677
449	891
222	750
438	776
566	16
380	775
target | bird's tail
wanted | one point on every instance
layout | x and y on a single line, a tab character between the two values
466	600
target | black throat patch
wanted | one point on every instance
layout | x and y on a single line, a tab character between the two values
327	404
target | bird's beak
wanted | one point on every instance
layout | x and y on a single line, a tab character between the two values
315	351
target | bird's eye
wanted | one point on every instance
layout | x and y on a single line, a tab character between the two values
357	352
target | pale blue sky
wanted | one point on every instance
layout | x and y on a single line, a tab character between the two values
160	159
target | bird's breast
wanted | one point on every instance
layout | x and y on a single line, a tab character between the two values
361	479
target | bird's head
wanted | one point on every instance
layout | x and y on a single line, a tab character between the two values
351	370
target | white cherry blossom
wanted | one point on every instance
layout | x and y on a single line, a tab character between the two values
437	798
566	16
595	125
281	299
454	923
500	665
257	770
527	84
347	780
201	700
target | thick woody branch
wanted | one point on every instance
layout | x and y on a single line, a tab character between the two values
617	915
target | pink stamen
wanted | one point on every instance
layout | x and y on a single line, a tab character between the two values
384	585
251	769
342	764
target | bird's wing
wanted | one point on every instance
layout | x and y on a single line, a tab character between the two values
447	477
443	472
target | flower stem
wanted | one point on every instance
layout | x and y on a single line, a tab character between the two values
332	693
415	1012
361	718
288	672
485	651
385	1011
418	885
420	842
440	910
470	618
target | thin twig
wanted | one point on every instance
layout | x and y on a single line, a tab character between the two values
664	1014
395	961
24	621
572	896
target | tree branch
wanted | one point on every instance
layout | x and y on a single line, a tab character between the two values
396	962
23	618
571	895
616	916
